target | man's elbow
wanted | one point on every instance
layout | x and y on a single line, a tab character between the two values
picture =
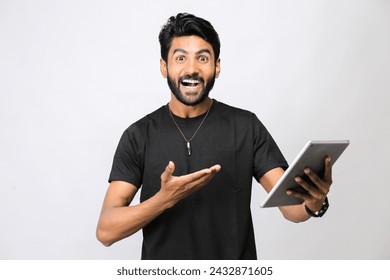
294	219
104	237
293	214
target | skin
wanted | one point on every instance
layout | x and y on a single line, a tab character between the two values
190	55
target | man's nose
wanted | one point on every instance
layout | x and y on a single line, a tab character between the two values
191	67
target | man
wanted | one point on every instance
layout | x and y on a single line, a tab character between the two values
194	160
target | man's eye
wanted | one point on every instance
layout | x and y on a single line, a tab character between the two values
203	58
180	58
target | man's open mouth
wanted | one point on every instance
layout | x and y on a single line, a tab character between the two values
190	83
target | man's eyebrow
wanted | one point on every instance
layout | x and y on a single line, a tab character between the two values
203	51
197	53
180	50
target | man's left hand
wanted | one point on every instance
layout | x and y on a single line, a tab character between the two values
317	189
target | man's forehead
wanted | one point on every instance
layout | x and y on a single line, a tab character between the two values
190	44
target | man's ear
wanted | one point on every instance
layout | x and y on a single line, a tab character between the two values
163	68
217	68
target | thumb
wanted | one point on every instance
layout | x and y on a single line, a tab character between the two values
168	171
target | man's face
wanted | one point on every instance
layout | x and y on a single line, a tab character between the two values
190	69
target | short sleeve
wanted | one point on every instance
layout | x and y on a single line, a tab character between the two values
267	154
128	159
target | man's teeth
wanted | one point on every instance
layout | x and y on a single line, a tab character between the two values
190	83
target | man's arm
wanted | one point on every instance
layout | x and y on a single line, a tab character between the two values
317	191
118	220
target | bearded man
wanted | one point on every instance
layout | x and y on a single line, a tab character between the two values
194	159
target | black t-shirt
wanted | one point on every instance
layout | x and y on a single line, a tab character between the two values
215	222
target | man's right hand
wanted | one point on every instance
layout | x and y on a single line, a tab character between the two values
175	188
119	220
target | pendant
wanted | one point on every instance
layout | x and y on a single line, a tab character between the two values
189	147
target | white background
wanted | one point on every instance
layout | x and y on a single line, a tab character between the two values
75	74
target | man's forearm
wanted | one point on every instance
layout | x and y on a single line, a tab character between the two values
117	223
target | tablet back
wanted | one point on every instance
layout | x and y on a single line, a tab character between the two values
313	156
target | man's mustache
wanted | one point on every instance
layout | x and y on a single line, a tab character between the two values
191	77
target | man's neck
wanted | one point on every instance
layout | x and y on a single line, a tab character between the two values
184	111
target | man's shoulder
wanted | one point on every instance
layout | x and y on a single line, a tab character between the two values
144	122
153	116
227	109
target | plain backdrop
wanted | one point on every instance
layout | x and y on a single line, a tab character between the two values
75	74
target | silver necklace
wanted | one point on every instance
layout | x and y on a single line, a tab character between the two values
181	132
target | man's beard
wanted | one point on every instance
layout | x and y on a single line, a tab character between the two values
202	95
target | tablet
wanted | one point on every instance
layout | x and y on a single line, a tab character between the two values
313	156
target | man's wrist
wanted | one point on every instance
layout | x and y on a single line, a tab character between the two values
320	212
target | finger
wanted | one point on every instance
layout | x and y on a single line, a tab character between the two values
167	174
216	167
312	190
192	177
313	177
300	195
328	170
195	185
200	177
304	184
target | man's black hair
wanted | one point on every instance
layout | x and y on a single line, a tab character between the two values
185	24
